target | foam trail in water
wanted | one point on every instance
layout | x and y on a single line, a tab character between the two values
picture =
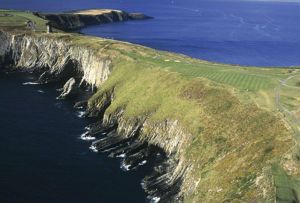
93	148
86	136
121	156
80	114
30	83
143	163
41	91
143	184
125	167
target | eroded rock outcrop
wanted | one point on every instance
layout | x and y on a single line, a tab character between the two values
76	20
59	60
69	89
215	147
54	59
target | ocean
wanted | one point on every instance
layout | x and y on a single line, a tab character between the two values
250	33
42	157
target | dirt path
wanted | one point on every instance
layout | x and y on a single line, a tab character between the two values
291	116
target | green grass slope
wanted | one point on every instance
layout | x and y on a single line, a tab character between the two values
16	20
234	141
242	121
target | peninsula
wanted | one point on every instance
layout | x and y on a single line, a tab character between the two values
230	133
78	19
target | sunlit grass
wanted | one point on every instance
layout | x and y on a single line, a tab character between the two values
233	131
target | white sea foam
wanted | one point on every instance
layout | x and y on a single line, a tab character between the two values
125	167
85	136
41	91
143	163
154	199
30	83
93	148
87	128
121	156
88	138
80	114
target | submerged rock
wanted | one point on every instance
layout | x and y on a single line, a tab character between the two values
138	16
80	105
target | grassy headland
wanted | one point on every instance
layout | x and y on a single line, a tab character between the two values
242	122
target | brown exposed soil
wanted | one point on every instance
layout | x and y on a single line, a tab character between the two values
95	11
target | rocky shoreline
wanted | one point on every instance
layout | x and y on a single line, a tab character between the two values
76	21
81	69
219	142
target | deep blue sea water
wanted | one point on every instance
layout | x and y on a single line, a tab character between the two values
236	32
41	158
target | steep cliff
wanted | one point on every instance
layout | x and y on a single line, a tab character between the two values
54	58
218	147
80	19
59	60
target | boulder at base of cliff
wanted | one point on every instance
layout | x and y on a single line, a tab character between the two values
69	89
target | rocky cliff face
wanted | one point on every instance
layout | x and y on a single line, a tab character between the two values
208	145
54	59
72	21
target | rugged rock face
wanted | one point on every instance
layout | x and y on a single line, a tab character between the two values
72	21
69	89
211	146
166	181
132	139
54	59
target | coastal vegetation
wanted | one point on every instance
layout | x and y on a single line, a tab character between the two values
241	124
17	20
